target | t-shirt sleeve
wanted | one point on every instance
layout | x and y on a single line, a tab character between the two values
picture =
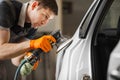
7	18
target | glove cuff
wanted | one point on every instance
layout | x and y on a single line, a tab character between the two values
32	44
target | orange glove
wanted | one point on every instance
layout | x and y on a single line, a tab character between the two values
42	43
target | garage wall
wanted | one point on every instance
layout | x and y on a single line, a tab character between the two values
71	20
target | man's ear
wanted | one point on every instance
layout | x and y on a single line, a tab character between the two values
35	4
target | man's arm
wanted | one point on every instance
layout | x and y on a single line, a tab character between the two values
17	60
10	50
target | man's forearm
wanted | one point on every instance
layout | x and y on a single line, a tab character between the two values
10	50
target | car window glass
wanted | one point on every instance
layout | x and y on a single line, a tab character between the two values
111	20
109	32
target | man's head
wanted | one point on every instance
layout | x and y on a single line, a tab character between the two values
51	4
41	11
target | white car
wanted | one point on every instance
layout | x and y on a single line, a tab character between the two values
93	53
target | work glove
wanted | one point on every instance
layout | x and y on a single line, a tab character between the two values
27	68
43	43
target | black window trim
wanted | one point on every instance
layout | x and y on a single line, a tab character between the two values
91	12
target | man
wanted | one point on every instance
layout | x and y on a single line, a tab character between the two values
22	19
19	20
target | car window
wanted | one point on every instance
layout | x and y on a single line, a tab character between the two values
110	28
111	20
105	38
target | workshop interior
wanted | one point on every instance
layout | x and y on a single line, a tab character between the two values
70	14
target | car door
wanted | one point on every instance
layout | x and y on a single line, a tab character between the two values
86	55
74	59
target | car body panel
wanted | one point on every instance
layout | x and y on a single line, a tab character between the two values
76	60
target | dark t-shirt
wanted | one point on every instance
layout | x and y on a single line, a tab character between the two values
9	16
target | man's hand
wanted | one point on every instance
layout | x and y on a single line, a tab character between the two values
43	43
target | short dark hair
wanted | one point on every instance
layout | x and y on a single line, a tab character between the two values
51	4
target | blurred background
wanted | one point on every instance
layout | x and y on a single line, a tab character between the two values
70	15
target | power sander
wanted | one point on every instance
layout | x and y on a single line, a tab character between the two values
32	59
